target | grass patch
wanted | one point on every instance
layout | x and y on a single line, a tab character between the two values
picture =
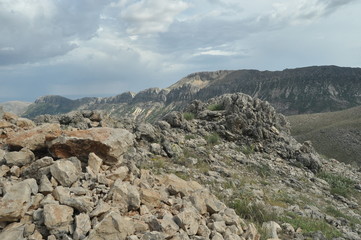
262	170
338	214
215	107
247	149
254	212
340	185
189	137
188	116
212	138
309	225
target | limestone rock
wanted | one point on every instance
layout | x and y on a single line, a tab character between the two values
35	138
188	220
17	200
21	158
57	218
109	144
113	226
45	185
271	228
83	226
65	172
125	195
94	163
13	231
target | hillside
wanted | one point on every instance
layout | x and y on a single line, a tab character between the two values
226	168
16	107
291	91
335	134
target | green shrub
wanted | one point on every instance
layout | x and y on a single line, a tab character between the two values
215	107
188	116
212	138
340	185
189	137
247	149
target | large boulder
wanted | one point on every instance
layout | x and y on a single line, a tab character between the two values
35	138
17	200
21	158
107	143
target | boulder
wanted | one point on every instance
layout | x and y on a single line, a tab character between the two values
65	172
21	158
94	163
17	200
270	229
124	195
107	143
35	138
57	218
13	231
188	220
82	226
113	226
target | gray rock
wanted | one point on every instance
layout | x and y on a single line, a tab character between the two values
21	158
82	226
13	231
124	195
271	229
65	172
57	218
45	185
17	200
153	236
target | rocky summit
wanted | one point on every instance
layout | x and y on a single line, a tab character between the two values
222	169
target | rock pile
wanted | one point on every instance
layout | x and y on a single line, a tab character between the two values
60	184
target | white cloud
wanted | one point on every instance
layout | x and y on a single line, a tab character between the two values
151	16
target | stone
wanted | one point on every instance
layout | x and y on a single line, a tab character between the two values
219	226
25	123
217	236
153	236
176	185
271	228
119	173
80	203
17	200
45	185
188	220
124	195
13	231
82	226
65	172
150	198
39	168
35	138
101	208
113	226
168	226
94	163
107	143
21	158
57	218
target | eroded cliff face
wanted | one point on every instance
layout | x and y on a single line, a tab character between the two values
292	91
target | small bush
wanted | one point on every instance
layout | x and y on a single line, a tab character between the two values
189	137
212	138
254	212
188	116
215	107
248	149
340	185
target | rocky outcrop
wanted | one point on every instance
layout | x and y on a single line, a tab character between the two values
161	181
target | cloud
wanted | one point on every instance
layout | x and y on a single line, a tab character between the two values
39	29
151	16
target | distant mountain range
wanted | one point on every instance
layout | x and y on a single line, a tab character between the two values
291	91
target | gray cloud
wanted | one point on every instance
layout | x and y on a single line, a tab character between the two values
36	30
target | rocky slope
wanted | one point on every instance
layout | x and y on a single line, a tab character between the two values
86	175
334	134
291	91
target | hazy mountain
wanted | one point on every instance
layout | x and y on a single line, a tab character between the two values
291	91
16	107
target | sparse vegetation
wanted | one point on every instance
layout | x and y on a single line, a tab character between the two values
309	225
338	214
247	149
189	137
215	107
340	185
188	116
212	138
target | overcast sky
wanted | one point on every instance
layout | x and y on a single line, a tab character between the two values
78	48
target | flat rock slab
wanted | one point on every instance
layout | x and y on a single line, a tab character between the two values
107	143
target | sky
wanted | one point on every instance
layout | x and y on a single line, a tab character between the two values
105	47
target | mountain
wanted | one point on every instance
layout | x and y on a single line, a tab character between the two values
16	107
334	134
291	91
226	168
